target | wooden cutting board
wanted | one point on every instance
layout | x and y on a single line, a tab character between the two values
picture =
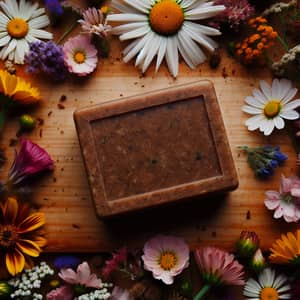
64	196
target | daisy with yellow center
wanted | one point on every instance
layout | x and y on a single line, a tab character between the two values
287	249
166	257
80	55
268	287
271	105
21	23
18	237
163	28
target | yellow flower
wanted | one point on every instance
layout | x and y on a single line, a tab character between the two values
287	249
18	236
18	89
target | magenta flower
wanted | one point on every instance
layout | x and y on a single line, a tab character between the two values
286	202
64	292
118	260
217	267
30	160
82	276
166	257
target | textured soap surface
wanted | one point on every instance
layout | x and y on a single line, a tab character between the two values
155	148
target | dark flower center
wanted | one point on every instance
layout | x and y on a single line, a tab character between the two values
8	235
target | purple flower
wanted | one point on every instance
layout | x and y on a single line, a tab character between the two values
66	261
30	160
46	57
54	6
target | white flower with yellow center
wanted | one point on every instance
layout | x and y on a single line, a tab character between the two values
162	28
268	287
271	106
20	25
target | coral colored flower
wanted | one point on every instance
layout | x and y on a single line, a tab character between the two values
219	267
82	276
30	160
64	292
17	89
271	106
18	236
286	202
287	249
268	287
94	22
80	55
21	23
165	257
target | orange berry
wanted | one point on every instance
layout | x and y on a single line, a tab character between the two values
239	52
260	45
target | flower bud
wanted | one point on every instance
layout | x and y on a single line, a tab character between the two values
247	244
258	262
5	290
27	122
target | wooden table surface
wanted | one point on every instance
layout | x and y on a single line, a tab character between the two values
64	195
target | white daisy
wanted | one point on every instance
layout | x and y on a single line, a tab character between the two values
268	287
162	27
271	105
20	24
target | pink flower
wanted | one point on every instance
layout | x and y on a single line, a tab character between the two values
286	202
82	276
219	267
120	294
118	259
166	257
80	55
30	160
64	292
94	22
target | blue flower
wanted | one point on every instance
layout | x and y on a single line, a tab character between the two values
54	6
66	261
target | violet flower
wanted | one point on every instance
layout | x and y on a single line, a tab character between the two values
54	6
30	160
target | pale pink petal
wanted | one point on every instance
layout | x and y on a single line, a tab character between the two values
68	275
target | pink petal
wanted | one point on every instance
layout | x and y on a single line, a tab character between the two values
272	204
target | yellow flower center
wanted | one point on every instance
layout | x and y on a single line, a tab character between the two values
269	293
272	108
79	57
166	17
8	235
167	260
17	28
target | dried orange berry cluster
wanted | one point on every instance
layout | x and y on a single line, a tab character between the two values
251	49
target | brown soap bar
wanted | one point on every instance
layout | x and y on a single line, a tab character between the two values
155	148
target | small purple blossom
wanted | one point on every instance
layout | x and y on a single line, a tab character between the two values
66	261
236	12
30	160
46	57
54	7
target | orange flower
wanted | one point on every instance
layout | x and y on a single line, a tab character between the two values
287	249
18	236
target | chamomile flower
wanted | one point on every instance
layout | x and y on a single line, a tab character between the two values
268	287
164	27
20	25
271	106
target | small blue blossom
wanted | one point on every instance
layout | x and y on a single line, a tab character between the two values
54	6
66	261
264	160
46	57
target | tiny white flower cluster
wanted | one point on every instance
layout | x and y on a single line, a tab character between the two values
279	7
291	56
101	294
29	280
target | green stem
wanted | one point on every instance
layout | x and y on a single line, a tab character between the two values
283	43
68	31
202	292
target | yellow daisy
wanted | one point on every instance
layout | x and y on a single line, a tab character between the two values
287	249
18	237
18	89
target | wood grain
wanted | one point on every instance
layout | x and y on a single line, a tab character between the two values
64	195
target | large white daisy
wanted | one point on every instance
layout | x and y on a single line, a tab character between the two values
268	287
271	106
20	24
162	27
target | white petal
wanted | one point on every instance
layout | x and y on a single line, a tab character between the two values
289	95
285	87
127	27
254	102
40	34
202	28
278	122
126	18
139	5
153	49
251	110
253	123
21	49
291	105
266	89
268	127
161	53
260	96
204	12
144	51
279	281
137	46
289	114
10	47
141	31
172	55
39	22
4	40
276	89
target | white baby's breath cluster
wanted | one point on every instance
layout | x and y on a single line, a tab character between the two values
289	57
30	280
279	7
101	294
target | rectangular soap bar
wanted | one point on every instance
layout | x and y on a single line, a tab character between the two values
155	148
